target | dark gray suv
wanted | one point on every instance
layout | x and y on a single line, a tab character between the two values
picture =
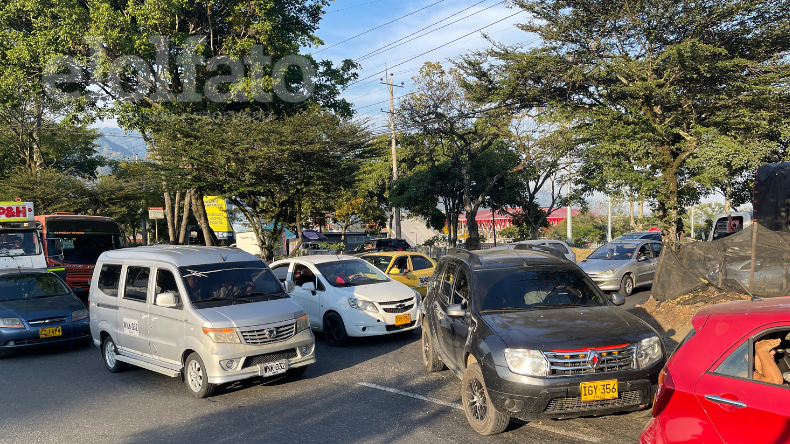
532	337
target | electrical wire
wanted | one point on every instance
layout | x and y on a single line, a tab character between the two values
352	7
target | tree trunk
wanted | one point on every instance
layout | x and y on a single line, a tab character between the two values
728	198
176	208
631	210
670	208
200	214
298	230
182	234
641	209
169	216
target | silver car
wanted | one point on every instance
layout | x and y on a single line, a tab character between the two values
209	315
623	265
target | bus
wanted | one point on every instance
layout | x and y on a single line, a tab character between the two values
82	239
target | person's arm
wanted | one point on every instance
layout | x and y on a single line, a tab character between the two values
769	371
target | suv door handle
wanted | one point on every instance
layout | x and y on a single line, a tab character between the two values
725	401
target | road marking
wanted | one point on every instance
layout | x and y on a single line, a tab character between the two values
543	427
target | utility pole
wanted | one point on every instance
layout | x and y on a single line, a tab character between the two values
391	87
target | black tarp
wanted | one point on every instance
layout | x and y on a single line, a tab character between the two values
772	196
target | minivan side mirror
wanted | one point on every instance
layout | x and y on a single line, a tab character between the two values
617	299
167	299
289	286
456	311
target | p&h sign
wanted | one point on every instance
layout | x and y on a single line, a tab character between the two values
16	212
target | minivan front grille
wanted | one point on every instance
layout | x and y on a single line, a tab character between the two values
576	362
575	403
269	335
47	321
252	361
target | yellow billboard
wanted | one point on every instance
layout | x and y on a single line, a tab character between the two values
217	212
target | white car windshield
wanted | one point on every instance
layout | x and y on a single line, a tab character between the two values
350	273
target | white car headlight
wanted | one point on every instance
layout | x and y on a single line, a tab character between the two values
79	315
526	362
648	352
226	335
363	305
608	272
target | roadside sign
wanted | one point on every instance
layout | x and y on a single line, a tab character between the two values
156	213
16	212
654	230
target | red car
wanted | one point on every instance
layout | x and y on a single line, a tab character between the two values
709	391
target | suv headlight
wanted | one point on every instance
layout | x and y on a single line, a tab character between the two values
363	305
11	323
526	362
648	352
302	323
222	335
79	315
608	272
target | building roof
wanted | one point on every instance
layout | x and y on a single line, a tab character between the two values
557	213
179	255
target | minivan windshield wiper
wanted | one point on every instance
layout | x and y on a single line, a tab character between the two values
214	299
260	293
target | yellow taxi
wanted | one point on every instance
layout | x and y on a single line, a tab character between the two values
412	269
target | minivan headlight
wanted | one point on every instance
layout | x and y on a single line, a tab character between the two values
302	323
225	335
608	272
526	362
11	323
79	315
648	352
363	305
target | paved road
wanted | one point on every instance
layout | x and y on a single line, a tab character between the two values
67	396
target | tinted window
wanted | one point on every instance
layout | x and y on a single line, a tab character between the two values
303	275
657	249
349	273
437	275
230	283
109	278
615	252
281	271
21	243
137	283
84	239
402	244
28	286
644	250
166	283
380	262
737	363
447	282
461	291
558	246
401	264
527	288
420	263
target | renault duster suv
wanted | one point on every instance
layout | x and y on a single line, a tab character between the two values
532	337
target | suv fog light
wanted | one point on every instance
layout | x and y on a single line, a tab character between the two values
306	350
229	364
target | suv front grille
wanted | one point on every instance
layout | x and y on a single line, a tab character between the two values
575	362
575	403
252	361
261	336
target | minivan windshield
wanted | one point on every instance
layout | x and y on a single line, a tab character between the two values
350	273
230	283
531	288
28	286
614	252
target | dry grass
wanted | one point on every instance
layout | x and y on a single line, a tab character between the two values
581	253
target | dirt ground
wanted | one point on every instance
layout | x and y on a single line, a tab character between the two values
672	319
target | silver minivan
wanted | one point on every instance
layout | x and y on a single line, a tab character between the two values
208	315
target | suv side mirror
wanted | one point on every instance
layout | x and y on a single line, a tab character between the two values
289	286
457	311
617	299
167	299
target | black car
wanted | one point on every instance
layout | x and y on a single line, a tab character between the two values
532	337
378	245
38	308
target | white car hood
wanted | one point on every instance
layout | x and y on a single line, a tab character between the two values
380	292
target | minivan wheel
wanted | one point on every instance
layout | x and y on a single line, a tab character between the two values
429	356
195	377
480	412
335	330
108	352
627	285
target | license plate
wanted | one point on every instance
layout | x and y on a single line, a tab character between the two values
424	281
598	390
274	368
403	319
50	332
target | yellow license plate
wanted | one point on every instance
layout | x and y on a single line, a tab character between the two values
50	332
598	390
403	319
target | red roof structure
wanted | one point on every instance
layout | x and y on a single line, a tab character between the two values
503	220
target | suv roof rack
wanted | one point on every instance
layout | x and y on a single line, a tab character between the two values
542	248
466	254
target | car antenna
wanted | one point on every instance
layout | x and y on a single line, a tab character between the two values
754	298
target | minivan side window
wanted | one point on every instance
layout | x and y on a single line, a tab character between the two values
136	287
109	278
166	282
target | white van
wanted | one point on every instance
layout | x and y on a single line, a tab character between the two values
740	221
208	315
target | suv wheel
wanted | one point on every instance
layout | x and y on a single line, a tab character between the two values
196	379
335	330
108	352
479	410
429	356
627	285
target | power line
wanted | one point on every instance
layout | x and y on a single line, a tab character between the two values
380	26
352	7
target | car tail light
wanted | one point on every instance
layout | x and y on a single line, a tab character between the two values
666	387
